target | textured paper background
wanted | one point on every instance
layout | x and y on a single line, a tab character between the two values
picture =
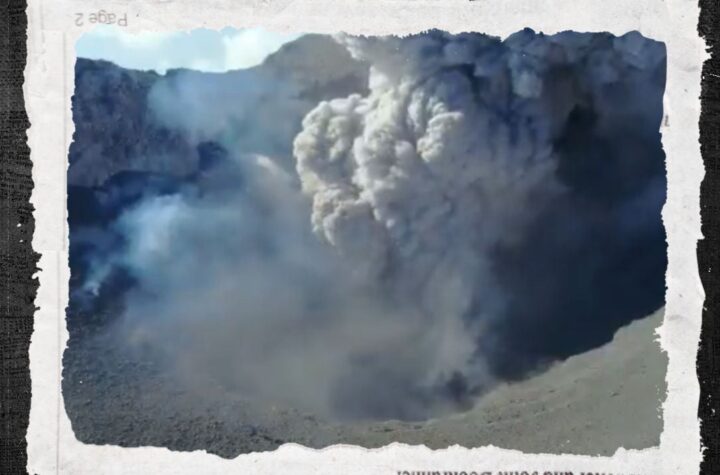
52	447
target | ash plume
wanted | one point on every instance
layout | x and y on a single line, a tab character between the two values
452	156
472	213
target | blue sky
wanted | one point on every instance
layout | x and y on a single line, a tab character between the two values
201	49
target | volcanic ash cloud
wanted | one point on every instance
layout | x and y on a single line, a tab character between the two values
366	283
449	156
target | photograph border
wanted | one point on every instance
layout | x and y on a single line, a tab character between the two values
20	254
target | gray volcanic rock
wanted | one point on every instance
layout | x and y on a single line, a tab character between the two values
113	130
322	67
116	128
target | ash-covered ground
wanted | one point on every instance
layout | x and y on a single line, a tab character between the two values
591	404
438	239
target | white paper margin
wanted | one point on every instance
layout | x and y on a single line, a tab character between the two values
49	78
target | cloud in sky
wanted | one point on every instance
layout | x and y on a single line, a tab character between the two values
200	49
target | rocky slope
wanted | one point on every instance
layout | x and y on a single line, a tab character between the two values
116	129
592	403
